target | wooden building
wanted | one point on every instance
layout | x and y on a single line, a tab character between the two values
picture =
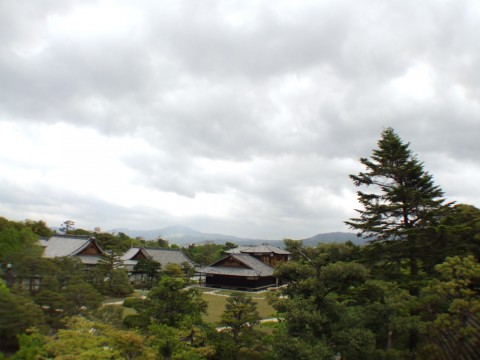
268	254
246	268
83	247
161	255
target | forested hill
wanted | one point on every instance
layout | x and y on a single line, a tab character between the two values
184	235
334	237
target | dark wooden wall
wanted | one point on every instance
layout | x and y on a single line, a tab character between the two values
91	249
239	282
271	260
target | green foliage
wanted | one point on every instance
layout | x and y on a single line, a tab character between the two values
404	205
135	321
173	270
150	270
109	276
178	343
162	243
29	270
3	287
458	233
332	307
119	283
68	226
75	298
81	232
39	228
85	339
452	310
169	303
133	302
289	347
113	243
387	310
112	315
229	245
293	271
16	242
333	304
205	254
341	277
187	269
322	254
31	346
225	348
64	292
17	314
239	317
304	274
354	342
320	309
21	262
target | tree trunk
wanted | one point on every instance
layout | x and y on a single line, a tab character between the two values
389	336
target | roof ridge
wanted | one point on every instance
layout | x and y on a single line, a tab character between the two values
167	249
69	236
85	243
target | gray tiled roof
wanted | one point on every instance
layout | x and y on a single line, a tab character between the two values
163	256
255	267
168	256
237	250
130	253
228	271
260	249
64	246
59	246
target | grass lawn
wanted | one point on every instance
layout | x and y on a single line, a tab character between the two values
254	294
262	294
128	311
216	306
203	289
136	293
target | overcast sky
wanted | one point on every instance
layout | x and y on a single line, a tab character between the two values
237	117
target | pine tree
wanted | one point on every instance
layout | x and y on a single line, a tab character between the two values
404	204
110	277
240	313
402	211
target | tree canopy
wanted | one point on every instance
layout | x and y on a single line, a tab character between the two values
403	205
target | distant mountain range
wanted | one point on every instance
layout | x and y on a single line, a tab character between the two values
183	235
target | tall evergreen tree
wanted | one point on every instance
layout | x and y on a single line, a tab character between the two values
402	211
403	206
109	275
240	316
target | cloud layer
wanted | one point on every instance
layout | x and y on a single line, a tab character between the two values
243	117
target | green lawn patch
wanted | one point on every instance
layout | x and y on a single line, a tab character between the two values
203	289
262	294
216	303
128	311
216	306
136	293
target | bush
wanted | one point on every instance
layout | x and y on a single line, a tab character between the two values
134	321
132	302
